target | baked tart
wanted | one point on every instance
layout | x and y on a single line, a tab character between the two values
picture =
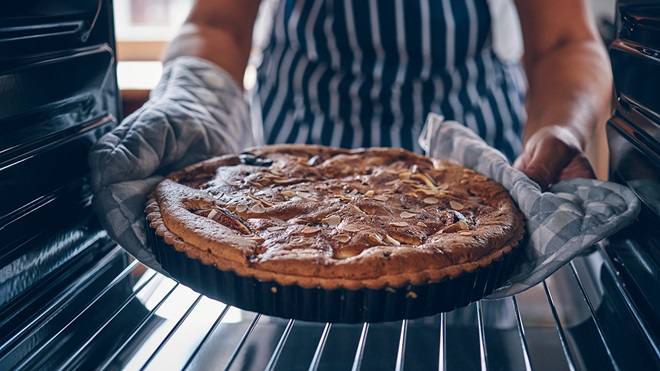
328	234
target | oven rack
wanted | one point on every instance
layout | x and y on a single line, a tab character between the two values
121	315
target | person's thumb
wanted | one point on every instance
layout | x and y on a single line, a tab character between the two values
544	161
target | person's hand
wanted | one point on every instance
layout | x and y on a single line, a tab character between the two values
552	154
196	111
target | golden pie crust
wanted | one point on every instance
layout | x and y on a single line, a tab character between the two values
325	217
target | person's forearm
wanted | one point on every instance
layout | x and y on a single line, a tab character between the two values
570	87
218	31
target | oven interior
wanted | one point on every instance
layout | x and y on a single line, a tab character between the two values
71	298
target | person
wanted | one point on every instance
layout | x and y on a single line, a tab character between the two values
359	73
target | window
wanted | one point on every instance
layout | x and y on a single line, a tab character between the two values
143	27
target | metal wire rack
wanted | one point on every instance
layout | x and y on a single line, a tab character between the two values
134	318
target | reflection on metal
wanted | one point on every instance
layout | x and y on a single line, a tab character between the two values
278	350
442	356
482	338
357	361
263	341
521	333
593	314
400	354
560	330
316	360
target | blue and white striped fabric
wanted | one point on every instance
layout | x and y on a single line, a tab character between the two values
366	73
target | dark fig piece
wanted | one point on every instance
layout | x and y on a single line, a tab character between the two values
250	159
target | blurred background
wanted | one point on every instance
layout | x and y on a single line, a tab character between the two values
143	28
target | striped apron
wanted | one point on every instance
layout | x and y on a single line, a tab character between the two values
358	73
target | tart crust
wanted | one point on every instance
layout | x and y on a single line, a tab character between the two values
317	216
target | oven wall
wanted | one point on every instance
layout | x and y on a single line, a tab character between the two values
58	94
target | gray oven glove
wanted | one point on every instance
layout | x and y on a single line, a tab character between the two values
196	111
560	224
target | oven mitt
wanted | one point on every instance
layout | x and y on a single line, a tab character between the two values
196	111
560	224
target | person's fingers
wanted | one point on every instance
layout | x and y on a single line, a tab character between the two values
579	167
546	160
521	162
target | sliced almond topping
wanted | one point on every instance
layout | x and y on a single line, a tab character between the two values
413	169
465	233
376	238
310	230
332	220
241	208
342	197
302	194
437	164
201	176
406	215
443	186
344	254
288	193
426	179
285	180
278	220
431	200
258	209
480	178
314	161
391	240
455	205
369	193
404	175
212	213
358	209
469	171
381	198
342	237
427	192
464	181
275	228
399	224
457	227
260	200
351	228
421	224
